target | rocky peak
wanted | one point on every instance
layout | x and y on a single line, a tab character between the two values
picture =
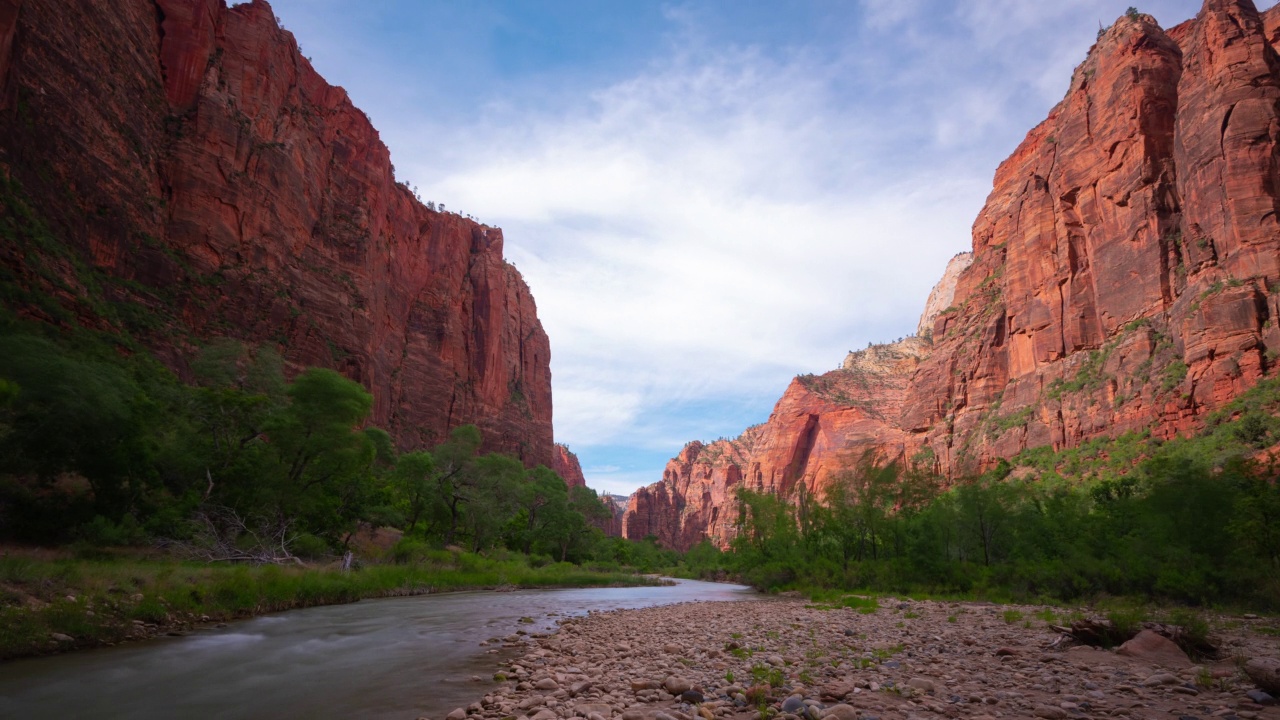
942	295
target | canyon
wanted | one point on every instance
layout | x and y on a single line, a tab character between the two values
1123	277
183	173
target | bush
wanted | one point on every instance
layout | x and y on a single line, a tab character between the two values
409	550
310	547
102	532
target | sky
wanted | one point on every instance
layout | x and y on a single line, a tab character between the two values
706	198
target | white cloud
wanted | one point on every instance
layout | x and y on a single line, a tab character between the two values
698	232
700	229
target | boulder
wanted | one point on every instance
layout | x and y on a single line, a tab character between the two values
1265	673
1155	649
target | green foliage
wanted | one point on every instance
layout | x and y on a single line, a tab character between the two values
1089	376
1189	521
1172	375
107	449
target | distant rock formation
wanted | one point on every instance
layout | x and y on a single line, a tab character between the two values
566	465
1124	276
197	172
944	293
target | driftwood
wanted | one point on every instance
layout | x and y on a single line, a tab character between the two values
222	535
1104	633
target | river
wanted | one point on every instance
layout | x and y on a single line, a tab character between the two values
391	658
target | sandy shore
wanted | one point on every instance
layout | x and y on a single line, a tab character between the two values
906	660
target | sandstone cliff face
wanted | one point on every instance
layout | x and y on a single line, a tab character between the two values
944	293
565	464
1124	276
694	498
206	177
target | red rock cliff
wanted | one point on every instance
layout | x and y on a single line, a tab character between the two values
565	464
200	174
1124	276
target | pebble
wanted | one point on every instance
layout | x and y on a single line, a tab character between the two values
842	665
1260	697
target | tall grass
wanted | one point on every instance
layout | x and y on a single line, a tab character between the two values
97	602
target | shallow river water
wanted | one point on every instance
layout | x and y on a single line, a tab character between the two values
392	658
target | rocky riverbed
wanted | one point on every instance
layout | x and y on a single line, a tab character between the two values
788	659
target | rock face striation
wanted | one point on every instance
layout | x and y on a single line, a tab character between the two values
1124	276
200	176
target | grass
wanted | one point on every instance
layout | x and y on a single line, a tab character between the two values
98	602
833	599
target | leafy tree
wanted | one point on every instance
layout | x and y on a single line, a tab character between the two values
543	498
75	415
455	478
495	495
414	484
319	461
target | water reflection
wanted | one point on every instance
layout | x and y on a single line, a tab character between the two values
393	658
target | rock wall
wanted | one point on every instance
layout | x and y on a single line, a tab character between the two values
944	293
565	464
1124	276
203	176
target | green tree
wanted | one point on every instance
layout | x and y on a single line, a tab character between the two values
415	486
320	459
455	479
543	498
494	496
75	415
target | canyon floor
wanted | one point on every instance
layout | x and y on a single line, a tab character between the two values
908	659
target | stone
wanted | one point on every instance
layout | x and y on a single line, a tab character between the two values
841	712
546	684
923	685
60	637
1260	697
1265	673
676	686
638	685
1049	712
579	687
1155	649
1161	679
458	714
793	704
693	697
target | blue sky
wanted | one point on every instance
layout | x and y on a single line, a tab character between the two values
706	198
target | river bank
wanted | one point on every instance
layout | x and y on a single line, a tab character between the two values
51	603
370	660
903	660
